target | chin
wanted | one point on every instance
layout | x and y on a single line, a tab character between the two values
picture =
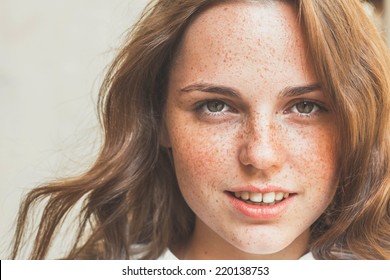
263	249
263	246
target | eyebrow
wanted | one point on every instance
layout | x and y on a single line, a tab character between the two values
292	91
211	88
298	90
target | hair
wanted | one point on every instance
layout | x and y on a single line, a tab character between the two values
130	195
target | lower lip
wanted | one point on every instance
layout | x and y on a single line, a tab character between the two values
261	212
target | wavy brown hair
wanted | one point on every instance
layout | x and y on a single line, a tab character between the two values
130	195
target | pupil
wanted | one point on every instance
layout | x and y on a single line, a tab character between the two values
305	107
215	106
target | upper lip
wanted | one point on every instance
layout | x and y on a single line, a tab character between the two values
263	189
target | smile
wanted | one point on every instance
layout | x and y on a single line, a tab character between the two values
261	199
266	205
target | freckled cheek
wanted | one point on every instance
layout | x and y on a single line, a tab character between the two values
315	161
202	155
326	155
313	148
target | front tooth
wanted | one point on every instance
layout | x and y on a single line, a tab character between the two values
245	195
269	197
279	196
256	197
237	194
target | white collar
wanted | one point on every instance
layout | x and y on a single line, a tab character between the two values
168	255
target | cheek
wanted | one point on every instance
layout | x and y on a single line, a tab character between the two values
202	156
314	151
315	162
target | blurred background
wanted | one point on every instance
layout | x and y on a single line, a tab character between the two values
379	10
53	54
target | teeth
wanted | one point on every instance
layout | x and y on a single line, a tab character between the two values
279	196
256	197
270	198
245	195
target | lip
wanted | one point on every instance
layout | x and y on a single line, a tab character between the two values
264	212
265	189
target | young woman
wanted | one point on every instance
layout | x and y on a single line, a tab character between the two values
236	130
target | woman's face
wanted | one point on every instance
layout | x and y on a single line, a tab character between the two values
251	132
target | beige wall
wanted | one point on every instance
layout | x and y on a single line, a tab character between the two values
386	20
52	56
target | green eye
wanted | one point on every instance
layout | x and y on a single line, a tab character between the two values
215	106
305	107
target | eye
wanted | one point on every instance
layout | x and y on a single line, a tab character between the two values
214	110
306	108
215	106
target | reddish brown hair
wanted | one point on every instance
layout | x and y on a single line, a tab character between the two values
130	195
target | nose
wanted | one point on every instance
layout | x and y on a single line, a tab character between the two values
261	148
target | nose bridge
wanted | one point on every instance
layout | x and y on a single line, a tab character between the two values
262	132
262	147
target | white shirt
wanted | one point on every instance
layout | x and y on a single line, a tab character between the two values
168	255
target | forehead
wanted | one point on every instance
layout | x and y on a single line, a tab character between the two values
249	18
242	35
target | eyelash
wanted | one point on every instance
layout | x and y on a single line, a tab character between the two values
202	110
318	108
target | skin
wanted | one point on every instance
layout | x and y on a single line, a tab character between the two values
248	57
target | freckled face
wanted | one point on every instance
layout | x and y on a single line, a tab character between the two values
245	116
